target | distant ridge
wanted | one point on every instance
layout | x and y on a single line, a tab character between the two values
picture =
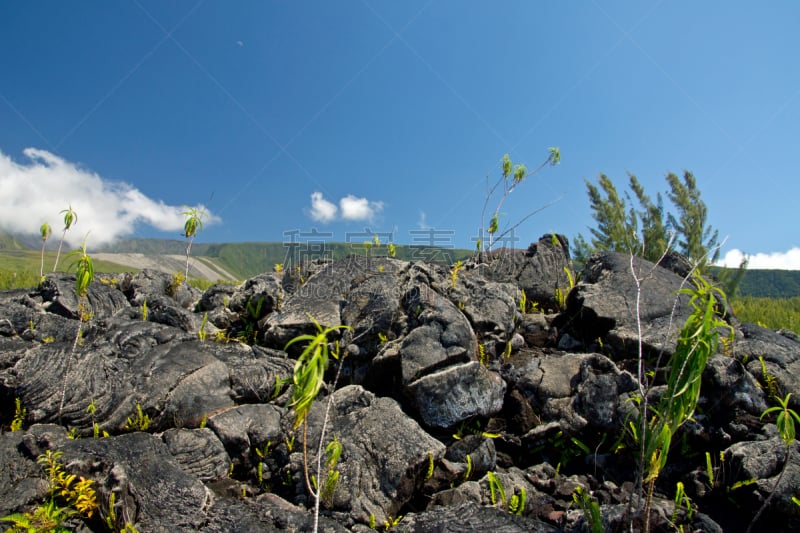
10	242
243	260
248	259
771	283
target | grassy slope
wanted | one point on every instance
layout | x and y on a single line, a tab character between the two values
30	261
248	259
243	260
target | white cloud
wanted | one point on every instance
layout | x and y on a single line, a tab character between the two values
350	208
37	192
789	260
359	208
321	209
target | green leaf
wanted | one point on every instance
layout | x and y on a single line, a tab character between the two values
555	155
506	166
70	217
494	224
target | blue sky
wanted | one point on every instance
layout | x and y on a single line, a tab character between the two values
283	117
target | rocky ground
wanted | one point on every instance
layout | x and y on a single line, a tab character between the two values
450	388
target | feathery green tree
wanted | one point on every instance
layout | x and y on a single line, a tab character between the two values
616	223
648	230
696	240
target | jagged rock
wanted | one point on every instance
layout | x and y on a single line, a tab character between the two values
535	329
372	309
11	350
257	297
162	310
266	512
458	392
579	390
149	285
603	305
781	355
442	379
257	374
199	452
19	314
776	469
481	452
176	380
214	302
246	428
385	454
150	485
25	317
731	392
414	344
21	479
151	489
216	296
468	517
492	308
440	335
538	271
320	296
59	296
468	492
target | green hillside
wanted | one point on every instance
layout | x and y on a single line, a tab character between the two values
9	242
247	259
20	268
771	283
242	259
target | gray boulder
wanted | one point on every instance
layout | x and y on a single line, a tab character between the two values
149	285
603	305
776	470
244	429
199	452
781	354
385	454
456	393
442	379
176	380
59	297
492	309
580	391
152	489
257	297
320	296
538	271
469	517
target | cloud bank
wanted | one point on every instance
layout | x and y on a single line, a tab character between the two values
789	260
38	191
351	208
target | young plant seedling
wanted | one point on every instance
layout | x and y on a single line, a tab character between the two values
512	175
70	218
84	275
45	231
307	380
194	223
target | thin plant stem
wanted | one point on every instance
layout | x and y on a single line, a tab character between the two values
325	420
66	370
